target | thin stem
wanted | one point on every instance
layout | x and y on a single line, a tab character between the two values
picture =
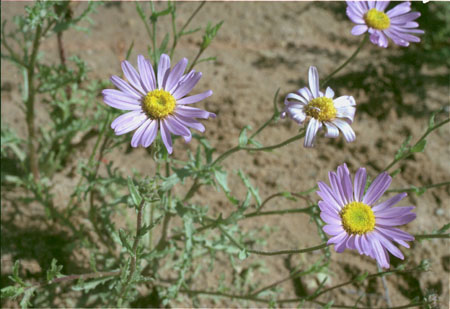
200	52
62	58
136	240
291	276
408	153
154	35
83	277
30	104
386	288
238	148
358	49
429	236
436	185
278	212
177	35
282	301
134	250
294	251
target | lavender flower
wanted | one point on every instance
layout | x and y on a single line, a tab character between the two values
156	102
396	23
356	221
321	109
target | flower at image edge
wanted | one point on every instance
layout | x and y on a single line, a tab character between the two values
397	23
156	102
358	221
321	110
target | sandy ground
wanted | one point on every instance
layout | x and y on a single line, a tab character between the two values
262	47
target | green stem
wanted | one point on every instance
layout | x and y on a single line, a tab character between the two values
283	301
200	52
361	44
180	33
436	185
294	251
278	212
408	153
30	104
134	249
429	236
238	148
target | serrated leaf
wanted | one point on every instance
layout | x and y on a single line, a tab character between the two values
243	254
288	196
419	147
25	302
124	241
443	229
54	271
403	147
418	191
171	181
362	276
431	121
86	286
11	291
221	178
243	139
134	192
249	186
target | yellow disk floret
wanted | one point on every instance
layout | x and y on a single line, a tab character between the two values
377	19
321	108
357	218
158	104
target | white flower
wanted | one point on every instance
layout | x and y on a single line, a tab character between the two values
321	110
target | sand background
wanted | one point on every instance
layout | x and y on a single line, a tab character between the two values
261	47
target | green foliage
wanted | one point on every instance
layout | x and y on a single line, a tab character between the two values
115	217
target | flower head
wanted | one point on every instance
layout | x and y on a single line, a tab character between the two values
156	101
358	221
321	110
397	23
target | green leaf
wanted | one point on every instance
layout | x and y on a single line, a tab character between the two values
209	35
54	271
329	304
15	275
431	121
221	178
25	302
362	277
243	254
124	241
249	186
243	139
134	192
418	191
403	148
171	181
11	291
86	286
129	50
419	147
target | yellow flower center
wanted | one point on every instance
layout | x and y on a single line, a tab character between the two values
158	104
321	108
377	19
357	218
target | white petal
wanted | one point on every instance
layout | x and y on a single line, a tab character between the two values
311	131
313	78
